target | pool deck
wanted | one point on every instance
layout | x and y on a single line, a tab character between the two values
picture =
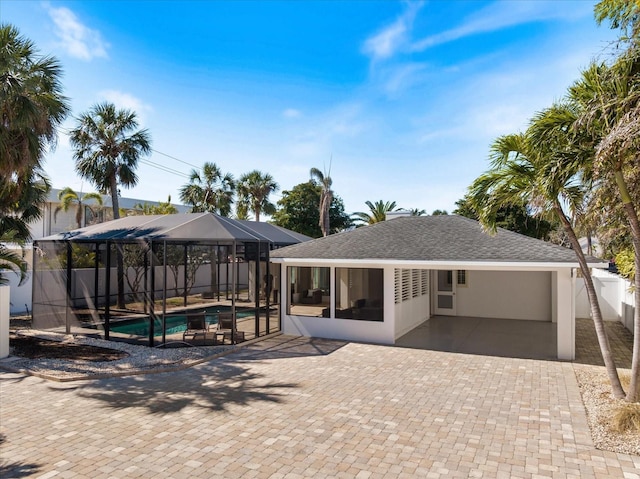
290	407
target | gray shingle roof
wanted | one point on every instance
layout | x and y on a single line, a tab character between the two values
430	238
182	227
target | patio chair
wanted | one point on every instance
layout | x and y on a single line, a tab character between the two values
226	328
196	324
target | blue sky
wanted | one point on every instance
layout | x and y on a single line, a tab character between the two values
404	97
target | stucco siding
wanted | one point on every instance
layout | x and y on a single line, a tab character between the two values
506	294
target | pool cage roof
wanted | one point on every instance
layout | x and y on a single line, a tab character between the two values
100	275
191	227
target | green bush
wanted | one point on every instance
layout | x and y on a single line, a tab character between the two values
625	263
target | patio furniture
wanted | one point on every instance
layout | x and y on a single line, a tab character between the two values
311	296
226	328
196	324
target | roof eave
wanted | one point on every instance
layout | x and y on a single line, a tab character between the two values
434	264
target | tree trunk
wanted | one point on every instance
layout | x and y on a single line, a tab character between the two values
119	258
596	313
633	394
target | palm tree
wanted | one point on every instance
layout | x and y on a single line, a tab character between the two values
377	212
68	198
209	190
107	147
609	103
162	208
30	192
31	109
242	211
254	189
326	197
417	212
541	169
32	105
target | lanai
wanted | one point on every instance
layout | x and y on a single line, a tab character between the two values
149	271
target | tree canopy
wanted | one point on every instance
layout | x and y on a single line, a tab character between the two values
298	211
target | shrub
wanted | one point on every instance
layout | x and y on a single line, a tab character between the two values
625	263
626	417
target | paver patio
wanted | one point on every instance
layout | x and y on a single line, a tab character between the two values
300	407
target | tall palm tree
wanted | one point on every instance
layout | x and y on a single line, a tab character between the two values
326	197
541	169
31	109
108	145
377	212
209	190
68	197
32	105
254	189
609	100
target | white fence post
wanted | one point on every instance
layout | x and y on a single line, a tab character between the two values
4	321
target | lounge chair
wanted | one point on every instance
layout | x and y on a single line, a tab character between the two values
196	324
226	328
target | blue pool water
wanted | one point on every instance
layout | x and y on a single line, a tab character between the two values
175	323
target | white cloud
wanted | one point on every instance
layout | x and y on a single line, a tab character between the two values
128	101
394	37
76	39
499	15
291	113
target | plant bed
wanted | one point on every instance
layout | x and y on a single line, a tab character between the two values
32	347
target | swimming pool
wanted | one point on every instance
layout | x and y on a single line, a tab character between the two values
176	323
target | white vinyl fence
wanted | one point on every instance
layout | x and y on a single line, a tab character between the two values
616	300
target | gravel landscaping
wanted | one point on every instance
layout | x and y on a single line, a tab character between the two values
67	359
600	404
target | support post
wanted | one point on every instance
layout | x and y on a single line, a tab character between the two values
68	302
566	323
152	299
164	293
186	259
107	293
233	295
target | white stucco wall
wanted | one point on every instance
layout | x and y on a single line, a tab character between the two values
506	294
21	295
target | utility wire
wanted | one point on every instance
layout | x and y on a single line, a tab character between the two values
156	165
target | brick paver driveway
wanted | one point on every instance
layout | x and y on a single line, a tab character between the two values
293	407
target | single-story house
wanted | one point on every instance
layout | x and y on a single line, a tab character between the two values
376	283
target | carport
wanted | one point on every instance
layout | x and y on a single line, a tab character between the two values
511	338
378	283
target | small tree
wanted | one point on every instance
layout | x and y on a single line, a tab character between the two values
68	198
254	189
377	212
298	211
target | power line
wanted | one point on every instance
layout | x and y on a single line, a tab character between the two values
158	166
177	159
163	168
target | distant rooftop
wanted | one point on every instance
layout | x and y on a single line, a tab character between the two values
125	203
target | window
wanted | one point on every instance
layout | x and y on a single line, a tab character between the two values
462	277
309	291
360	292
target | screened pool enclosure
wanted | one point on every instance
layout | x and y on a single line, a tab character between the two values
195	278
